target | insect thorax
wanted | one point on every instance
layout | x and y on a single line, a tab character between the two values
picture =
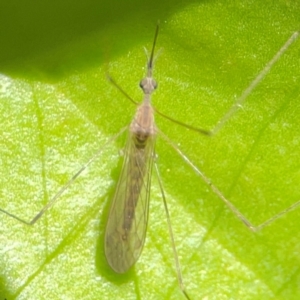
140	139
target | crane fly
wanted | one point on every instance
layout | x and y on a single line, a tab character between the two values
126	226
128	217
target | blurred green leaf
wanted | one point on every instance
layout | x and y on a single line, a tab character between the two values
57	109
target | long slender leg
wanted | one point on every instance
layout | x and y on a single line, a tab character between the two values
254	83
64	188
177	264
222	197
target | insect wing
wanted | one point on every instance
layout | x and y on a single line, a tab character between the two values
127	222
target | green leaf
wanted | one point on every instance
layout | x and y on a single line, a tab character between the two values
57	109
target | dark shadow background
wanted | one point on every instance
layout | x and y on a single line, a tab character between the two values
29	30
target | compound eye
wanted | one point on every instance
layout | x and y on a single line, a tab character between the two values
154	84
142	83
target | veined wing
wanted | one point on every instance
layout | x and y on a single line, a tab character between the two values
128	217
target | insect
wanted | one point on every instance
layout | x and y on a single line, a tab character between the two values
127	222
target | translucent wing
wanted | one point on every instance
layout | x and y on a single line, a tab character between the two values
127	222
